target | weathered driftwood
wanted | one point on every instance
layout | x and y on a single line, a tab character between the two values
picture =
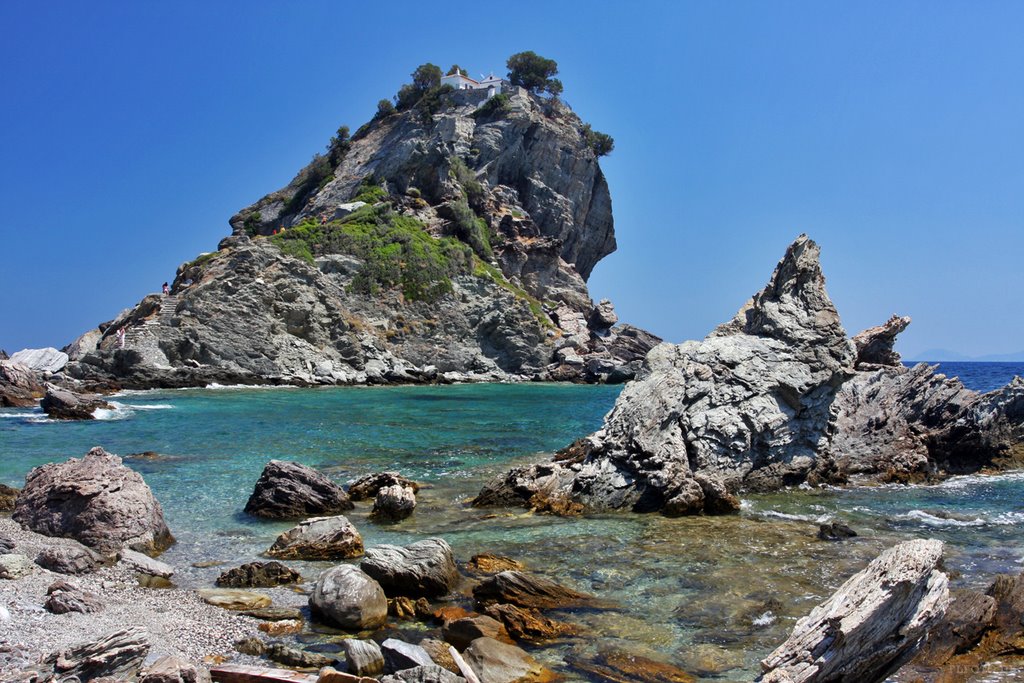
871	625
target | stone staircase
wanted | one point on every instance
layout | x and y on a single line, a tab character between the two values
143	337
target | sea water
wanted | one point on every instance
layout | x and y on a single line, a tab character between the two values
710	594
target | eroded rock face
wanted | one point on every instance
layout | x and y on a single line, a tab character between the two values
46	360
20	386
119	655
871	625
95	500
62	404
289	490
875	344
250	313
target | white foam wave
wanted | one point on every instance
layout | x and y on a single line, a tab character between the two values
791	517
968	480
765	619
119	412
241	387
939	521
149	406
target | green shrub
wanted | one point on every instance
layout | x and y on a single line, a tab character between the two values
369	191
471	230
252	223
494	108
308	180
467	179
601	143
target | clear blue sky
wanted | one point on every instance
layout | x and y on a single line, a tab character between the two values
891	132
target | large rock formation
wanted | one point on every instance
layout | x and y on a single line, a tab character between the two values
871	625
437	245
20	386
290	490
777	396
95	500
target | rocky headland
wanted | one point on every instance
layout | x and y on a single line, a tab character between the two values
448	240
778	396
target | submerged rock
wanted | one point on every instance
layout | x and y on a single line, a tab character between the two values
528	624
872	623
835	531
528	591
258	575
617	665
288	490
95	500
422	569
319	538
488	563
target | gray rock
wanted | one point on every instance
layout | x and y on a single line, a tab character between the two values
497	662
6	545
291	656
431	673
871	624
349	598
119	655
171	669
319	538
95	500
63	597
292	490
258	575
399	655
603	316
363	657
69	559
62	404
14	566
462	632
393	503
41	360
144	564
422	569
366	487
875	344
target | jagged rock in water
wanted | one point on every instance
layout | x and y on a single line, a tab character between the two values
95	500
287	490
745	407
48	360
871	625
393	503
875	344
69	558
258	575
118	655
488	563
19	386
349	598
171	669
528	624
63	597
319	538
515	202
62	404
422	569
528	591
618	665
366	487
835	531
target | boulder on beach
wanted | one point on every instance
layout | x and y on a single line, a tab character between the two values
118	656
871	625
63	597
422	569
290	490
258	575
146	565
319	538
171	669
363	657
14	566
69	558
233	598
8	496
349	598
399	655
63	404
393	503
95	500
367	487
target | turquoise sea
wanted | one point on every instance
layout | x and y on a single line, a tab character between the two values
711	595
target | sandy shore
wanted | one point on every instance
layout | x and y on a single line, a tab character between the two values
176	620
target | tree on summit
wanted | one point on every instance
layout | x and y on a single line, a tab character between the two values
535	73
456	69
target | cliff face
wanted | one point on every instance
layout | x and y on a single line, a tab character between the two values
429	247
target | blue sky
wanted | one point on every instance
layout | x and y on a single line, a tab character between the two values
891	132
